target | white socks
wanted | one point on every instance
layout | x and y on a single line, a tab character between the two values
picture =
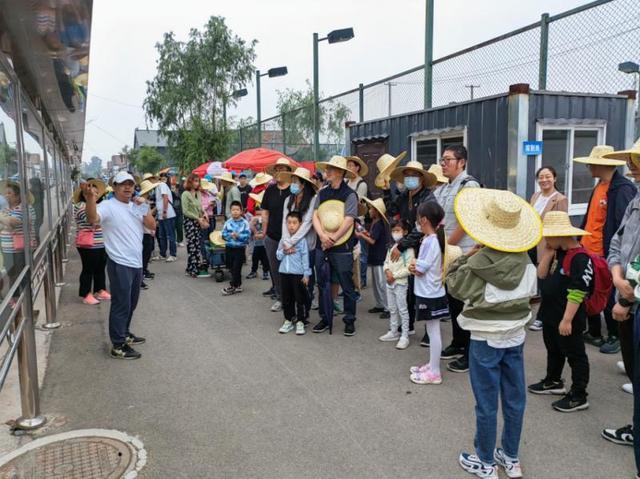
435	345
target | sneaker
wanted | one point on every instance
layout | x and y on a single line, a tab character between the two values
180	245
420	369
337	308
627	387
622	436
621	368
103	295
473	465
412	332
269	292
389	337
376	310
321	327
426	377
144	286
124	351
171	259
548	387
611	346
203	274
276	307
228	291
425	341
594	341
349	329
286	327
314	304
265	276
385	315
536	325
403	342
252	275
512	467
90	300
239	289
273	297
133	339
149	275
571	403
460	365
300	328
452	352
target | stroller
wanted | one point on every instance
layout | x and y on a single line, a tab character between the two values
216	253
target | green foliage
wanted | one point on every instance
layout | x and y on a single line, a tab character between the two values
146	160
194	79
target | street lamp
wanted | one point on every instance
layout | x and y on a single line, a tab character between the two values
634	69
336	36
271	73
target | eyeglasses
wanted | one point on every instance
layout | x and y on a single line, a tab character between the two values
442	161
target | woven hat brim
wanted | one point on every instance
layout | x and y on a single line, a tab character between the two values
216	238
322	165
392	165
147	190
253	183
227	180
364	169
270	170
289	174
257	197
398	175
451	253
371	204
102	189
469	205
326	205
593	160
563	232
624	155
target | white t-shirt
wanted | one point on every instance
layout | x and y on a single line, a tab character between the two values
542	201
429	262
163	189
123	229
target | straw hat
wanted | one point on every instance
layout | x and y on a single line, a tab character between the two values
339	162
108	190
557	223
498	219
207	185
436	169
632	154
379	206
281	162
150	177
300	172
331	215
146	186
398	173
260	179
100	186
226	176
451	253
364	169
597	157
386	164
216	238
257	197
164	170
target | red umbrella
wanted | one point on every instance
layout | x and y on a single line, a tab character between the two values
255	159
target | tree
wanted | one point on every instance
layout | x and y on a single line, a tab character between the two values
194	79
146	160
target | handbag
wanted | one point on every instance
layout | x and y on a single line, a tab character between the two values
85	239
18	240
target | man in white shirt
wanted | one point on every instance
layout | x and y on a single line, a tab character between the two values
123	219
166	220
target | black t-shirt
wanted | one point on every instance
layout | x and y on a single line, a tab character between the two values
273	202
378	251
244	194
556	286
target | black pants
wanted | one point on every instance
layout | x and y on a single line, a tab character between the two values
294	297
235	258
595	322
94	261
461	337
625	329
147	249
569	348
258	256
125	291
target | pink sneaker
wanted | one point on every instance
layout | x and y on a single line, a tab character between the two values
90	299
103	295
420	369
426	378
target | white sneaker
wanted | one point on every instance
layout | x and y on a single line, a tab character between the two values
156	257
389	337
300	328
512	467
403	343
627	387
286	327
170	259
277	307
621	368
180	245
314	304
536	325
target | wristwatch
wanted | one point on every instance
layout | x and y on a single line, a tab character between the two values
625	303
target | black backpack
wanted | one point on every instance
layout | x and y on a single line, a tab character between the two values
470	178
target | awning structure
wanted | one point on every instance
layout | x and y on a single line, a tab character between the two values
369	139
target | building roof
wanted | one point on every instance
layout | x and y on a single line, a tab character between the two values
151	138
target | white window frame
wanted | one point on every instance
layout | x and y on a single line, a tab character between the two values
575	209
438	135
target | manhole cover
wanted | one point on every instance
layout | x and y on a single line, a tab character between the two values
88	454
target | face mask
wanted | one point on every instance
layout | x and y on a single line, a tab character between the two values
294	188
412	182
396	236
418	226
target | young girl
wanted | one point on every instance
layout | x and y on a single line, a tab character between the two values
431	299
396	275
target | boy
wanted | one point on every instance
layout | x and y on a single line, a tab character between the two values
236	233
294	276
563	313
259	254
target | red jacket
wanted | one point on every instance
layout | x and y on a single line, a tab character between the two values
251	203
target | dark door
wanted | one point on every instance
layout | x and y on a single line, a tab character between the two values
369	153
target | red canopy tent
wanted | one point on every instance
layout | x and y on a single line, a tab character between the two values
256	159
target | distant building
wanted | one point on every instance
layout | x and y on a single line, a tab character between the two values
152	139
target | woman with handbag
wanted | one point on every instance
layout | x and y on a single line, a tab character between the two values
90	245
195	221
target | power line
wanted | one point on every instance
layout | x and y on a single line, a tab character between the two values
118	102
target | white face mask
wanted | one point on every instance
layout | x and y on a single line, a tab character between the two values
397	236
418	226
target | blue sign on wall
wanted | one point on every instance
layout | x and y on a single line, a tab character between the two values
532	148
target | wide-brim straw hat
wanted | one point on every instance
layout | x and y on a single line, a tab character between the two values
146	186
336	161
386	164
398	173
597	157
257	197
451	253
280	162
150	177
436	169
378	205
164	170
260	179
99	184
632	154
331	215
207	185
498	219
364	169
300	172
227	177
216	238
558	223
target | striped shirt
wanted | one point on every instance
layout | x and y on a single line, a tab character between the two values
80	214
12	238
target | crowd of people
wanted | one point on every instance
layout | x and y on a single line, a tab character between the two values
440	247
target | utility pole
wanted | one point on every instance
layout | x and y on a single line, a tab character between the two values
472	88
390	85
428	54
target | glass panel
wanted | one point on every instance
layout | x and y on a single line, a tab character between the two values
427	151
556	154
454	140
51	181
583	182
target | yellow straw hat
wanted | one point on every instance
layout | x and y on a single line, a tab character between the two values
146	186
451	253
260	179
164	170
100	186
339	162
632	154
498	219
299	172
216	239
364	169
386	164
331	214
436	169
557	223
226	176
597	157
379	206
207	185
281	162
150	177
257	197
398	173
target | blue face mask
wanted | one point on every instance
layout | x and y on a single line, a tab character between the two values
294	188
412	182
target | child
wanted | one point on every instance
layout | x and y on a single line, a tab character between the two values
294	276
259	254
236	233
563	314
431	297
496	281
396	274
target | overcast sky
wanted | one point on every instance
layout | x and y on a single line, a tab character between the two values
389	37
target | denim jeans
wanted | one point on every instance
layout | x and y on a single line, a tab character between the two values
364	248
497	374
167	234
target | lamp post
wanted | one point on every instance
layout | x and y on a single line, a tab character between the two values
336	36
271	73
633	69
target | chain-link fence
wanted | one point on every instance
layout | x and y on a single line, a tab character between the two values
578	50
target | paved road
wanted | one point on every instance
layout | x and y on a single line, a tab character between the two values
219	393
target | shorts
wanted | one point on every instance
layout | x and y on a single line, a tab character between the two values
432	308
